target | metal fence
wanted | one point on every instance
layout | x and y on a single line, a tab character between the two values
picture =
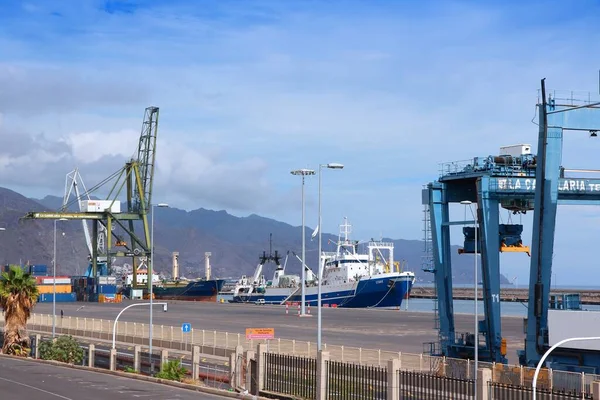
499	391
355	381
416	385
291	375
223	343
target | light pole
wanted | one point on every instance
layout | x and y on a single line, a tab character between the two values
54	281
129	306
303	173
150	274
541	362
475	222
330	166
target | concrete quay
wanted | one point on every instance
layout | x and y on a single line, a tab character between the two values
506	294
387	330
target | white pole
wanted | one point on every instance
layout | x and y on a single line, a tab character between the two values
320	269
303	311
539	366
54	285
121	312
476	314
149	277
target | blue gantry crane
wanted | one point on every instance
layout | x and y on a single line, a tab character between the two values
518	181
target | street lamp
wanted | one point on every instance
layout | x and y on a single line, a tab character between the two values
54	281
149	275
468	203
303	173
541	362
330	166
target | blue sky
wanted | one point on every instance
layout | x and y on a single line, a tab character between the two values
250	90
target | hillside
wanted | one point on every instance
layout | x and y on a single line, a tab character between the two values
235	242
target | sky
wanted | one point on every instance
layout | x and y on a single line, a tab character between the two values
250	90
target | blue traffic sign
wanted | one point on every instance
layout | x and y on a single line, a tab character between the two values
186	327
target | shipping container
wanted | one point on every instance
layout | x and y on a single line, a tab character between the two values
107	280
50	289
107	289
38	269
60	297
60	280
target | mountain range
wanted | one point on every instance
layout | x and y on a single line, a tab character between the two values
235	242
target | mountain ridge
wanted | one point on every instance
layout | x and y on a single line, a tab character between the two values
235	242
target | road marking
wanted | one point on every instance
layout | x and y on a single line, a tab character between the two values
35	388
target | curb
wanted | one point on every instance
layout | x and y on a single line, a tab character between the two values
138	377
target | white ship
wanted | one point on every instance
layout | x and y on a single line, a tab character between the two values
350	279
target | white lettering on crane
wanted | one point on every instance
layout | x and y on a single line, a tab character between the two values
564	185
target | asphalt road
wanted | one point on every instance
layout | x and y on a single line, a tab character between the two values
392	330
29	380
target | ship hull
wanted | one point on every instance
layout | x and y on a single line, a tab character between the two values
194	291
387	290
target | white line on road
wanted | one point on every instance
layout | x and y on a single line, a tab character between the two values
35	388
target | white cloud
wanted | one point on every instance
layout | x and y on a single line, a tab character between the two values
249	92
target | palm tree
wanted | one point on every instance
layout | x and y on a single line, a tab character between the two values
18	294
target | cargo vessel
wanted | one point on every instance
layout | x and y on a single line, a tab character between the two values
350	279
194	290
179	288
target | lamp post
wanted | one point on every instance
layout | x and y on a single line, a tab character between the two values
150	274
54	281
468	203
539	366
303	173
330	166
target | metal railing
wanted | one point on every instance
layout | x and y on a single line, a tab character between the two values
499	391
355	381
223	343
415	385
291	375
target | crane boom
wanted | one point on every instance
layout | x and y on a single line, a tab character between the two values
146	158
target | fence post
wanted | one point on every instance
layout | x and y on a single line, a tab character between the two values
260	363
195	362
393	367
250	355
137	362
91	355
239	367
38	340
595	389
113	359
322	358
484	377
232	369
164	357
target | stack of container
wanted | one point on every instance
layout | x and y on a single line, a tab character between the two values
47	286
107	289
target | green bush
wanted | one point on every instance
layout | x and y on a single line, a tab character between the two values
172	370
64	349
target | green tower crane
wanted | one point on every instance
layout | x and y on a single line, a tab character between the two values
137	178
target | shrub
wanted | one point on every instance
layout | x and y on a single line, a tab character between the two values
64	349
172	370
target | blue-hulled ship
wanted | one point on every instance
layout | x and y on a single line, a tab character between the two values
350	279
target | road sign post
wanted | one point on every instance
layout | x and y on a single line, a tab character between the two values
186	327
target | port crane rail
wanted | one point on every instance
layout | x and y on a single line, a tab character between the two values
519	182
137	178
